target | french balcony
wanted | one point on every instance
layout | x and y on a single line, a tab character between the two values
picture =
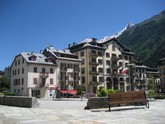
44	75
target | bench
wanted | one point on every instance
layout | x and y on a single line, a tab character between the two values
129	98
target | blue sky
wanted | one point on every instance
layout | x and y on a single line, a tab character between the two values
32	25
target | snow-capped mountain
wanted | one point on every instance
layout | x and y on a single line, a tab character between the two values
128	26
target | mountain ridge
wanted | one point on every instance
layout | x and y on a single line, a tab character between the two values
146	39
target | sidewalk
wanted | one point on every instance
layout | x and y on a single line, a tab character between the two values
72	112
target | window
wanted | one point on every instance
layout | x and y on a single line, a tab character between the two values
94	60
107	55
18	71
82	53
22	60
108	70
100	70
94	69
43	70
93	51
22	81
100	61
82	62
34	80
126	57
114	56
51	70
83	79
82	70
51	80
94	78
15	62
101	79
113	47
35	69
13	72
120	57
22	70
100	53
120	63
18	62
107	62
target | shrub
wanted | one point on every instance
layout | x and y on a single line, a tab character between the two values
9	93
151	93
159	97
103	92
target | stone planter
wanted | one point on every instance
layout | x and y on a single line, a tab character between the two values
97	102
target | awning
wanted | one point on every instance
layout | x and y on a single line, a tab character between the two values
68	91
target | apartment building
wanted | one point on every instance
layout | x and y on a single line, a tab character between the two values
161	66
68	68
33	74
104	63
140	77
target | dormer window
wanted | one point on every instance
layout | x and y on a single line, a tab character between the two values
49	59
32	58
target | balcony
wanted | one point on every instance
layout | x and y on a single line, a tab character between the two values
115	58
44	75
93	63
93	54
93	72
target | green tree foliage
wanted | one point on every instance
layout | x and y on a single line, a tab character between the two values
103	92
4	83
147	40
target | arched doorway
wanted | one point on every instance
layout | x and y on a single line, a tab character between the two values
115	83
109	83
121	81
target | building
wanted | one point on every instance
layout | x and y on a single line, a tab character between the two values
68	68
140	77
161	66
7	71
33	74
104	63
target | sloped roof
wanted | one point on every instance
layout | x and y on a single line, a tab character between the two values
40	58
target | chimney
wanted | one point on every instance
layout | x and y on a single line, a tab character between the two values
69	45
94	39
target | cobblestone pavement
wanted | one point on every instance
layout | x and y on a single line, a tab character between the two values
72	112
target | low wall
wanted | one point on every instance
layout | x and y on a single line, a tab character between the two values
97	102
19	101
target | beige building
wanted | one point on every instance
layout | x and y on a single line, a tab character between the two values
39	75
105	63
161	65
33	75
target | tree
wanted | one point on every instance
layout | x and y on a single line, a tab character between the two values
4	82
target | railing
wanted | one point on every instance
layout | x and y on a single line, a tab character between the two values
93	72
93	63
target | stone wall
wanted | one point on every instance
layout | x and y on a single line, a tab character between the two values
19	101
97	102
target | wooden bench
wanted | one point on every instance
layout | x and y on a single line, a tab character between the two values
129	98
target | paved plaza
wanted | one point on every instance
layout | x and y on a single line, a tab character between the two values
72	112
